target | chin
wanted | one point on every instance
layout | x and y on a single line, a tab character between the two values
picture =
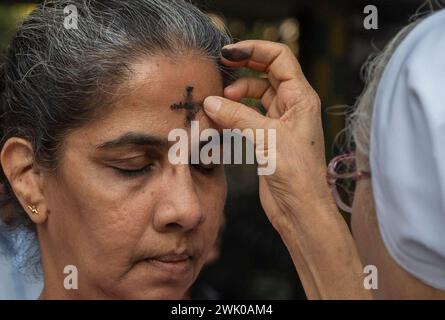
165	293
171	291
146	282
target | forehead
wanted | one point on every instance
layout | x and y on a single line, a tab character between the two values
156	84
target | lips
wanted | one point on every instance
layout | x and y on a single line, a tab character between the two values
174	264
173	258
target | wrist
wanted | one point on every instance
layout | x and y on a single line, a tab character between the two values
310	211
313	223
323	243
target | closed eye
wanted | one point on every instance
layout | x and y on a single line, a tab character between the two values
134	172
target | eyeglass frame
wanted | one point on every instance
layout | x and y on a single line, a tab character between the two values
332	176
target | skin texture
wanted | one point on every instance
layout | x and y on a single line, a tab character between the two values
192	107
296	198
105	223
393	281
328	260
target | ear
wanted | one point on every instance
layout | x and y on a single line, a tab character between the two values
24	176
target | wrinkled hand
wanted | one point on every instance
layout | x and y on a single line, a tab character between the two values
293	109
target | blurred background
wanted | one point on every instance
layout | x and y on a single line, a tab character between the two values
331	43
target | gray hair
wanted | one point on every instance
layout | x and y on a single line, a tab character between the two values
358	128
54	79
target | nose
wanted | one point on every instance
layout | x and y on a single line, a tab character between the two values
180	208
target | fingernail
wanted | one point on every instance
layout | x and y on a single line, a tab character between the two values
235	54
229	87
212	104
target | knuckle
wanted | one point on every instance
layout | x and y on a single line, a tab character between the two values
233	113
313	105
306	99
314	100
283	46
286	50
248	85
297	94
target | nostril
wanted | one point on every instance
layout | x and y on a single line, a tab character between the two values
173	225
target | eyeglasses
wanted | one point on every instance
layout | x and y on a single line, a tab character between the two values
342	177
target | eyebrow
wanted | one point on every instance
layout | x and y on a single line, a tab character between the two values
134	138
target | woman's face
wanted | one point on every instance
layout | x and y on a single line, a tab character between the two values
133	224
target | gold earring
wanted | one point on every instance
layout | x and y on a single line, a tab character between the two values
34	210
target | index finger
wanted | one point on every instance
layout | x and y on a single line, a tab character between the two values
264	56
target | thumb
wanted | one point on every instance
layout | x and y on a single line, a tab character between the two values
230	114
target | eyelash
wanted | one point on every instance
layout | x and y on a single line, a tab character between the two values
135	173
205	169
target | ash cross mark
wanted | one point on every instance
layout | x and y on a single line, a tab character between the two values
191	107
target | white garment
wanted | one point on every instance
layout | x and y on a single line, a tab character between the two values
407	154
14	286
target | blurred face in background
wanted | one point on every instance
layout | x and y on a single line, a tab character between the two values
134	225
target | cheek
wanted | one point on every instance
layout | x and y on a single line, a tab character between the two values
363	221
105	219
358	214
